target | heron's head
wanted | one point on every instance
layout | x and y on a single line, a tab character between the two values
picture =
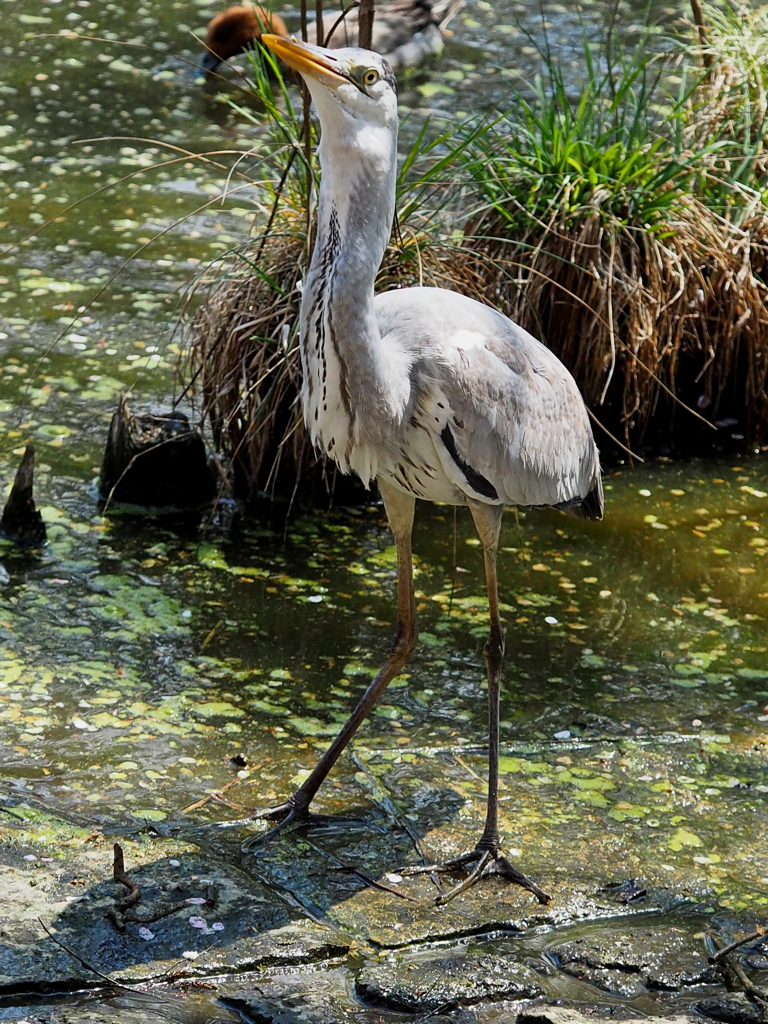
352	85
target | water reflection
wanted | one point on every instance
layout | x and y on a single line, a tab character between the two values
137	660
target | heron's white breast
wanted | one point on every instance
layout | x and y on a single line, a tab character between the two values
326	418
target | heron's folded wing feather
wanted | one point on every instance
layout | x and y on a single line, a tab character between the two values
520	422
515	413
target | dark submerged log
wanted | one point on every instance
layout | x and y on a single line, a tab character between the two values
21	522
155	461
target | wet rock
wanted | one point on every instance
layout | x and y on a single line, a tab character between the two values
100	1013
493	905
735	1008
167	929
627	962
444	805
552	1015
427	985
297	944
328	873
197	916
294	998
561	1015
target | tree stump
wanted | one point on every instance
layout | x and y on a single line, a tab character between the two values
21	522
155	461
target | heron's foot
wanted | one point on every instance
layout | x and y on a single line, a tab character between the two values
289	809
290	812
486	863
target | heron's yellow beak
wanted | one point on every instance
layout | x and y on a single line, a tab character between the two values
310	61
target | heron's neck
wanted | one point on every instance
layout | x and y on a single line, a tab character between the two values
356	206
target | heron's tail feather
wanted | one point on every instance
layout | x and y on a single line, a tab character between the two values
590	507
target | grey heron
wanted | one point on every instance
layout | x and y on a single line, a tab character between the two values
424	390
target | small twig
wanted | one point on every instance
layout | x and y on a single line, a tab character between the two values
209	638
115	914
365	24
319	34
118	871
121	913
460	761
701	27
758	934
733	969
630	453
197	804
217	795
83	963
235	806
341	20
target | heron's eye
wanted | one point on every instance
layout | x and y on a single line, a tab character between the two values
370	76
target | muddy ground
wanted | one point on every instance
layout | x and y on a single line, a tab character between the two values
318	925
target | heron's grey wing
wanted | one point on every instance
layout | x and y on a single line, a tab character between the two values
519	420
509	415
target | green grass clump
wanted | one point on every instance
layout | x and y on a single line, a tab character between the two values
625	227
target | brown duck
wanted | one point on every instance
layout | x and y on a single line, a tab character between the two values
236	30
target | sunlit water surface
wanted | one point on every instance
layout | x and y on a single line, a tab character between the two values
137	657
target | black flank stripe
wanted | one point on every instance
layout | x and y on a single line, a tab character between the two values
476	481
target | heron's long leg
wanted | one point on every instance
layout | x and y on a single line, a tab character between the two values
400	508
486	856
488	523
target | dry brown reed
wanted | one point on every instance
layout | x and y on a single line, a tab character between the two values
658	331
245	356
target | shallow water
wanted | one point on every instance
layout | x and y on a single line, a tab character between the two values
137	657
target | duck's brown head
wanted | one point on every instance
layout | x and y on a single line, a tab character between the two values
236	30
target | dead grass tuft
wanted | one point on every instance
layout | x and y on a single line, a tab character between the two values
648	325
